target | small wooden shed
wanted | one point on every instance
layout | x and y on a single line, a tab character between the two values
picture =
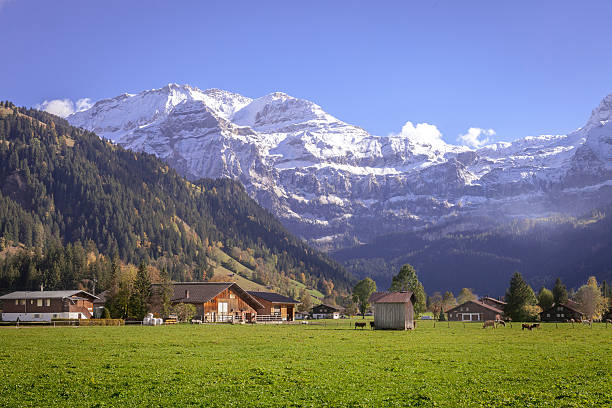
393	310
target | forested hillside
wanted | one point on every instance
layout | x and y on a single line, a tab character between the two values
541	250
70	202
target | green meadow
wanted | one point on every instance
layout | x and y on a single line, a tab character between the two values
330	365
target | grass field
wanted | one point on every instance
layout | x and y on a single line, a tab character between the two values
306	365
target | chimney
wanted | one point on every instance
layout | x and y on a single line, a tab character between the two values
186	294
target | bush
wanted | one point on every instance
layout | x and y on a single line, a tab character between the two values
106	313
184	311
101	322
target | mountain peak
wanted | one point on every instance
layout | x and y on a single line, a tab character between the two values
602	114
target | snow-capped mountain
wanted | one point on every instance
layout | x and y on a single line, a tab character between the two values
329	180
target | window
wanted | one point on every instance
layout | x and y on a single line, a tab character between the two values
560	308
47	302
22	302
39	302
232	296
558	315
36	316
55	315
547	314
562	315
222	308
16	302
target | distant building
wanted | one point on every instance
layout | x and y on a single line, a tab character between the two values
393	310
214	301
44	305
474	311
562	313
325	311
275	305
302	315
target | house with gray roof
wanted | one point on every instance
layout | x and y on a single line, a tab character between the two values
45	305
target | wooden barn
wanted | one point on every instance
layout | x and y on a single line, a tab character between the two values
214	301
45	305
474	311
393	310
276	305
562	313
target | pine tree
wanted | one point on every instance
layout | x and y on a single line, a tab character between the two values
559	292
518	296
407	280
141	293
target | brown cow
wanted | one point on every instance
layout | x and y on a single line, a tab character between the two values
360	324
488	323
526	326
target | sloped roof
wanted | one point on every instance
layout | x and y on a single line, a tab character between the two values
501	302
272	297
496	310
393	297
202	292
571	305
336	308
46	294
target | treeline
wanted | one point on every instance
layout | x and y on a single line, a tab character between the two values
63	187
521	302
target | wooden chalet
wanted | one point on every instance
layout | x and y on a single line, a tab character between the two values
45	305
562	313
276	305
325	311
474	311
214	301
393	310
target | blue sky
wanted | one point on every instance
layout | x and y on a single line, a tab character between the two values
518	67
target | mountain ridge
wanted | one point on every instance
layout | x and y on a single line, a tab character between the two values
335	184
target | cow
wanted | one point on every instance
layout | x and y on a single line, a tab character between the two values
535	326
526	326
500	322
372	325
608	320
360	324
488	323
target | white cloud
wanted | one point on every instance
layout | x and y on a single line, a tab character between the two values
64	107
82	104
423	133
476	137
